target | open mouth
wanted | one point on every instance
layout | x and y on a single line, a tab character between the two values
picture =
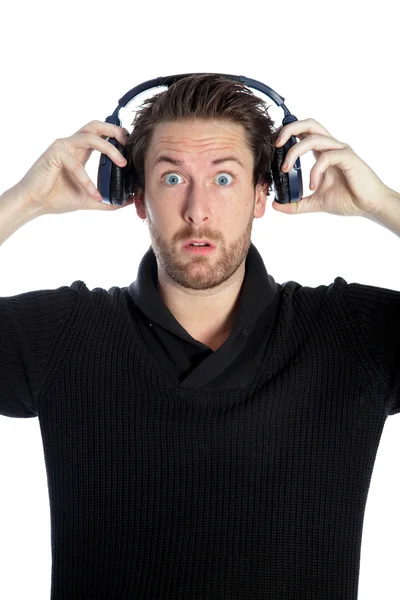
199	249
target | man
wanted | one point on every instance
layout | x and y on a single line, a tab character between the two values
208	432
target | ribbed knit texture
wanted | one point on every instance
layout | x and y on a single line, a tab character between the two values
161	491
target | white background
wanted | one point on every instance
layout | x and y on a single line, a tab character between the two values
64	65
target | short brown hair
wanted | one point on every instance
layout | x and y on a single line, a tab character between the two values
203	97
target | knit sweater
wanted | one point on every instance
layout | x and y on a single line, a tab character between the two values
179	472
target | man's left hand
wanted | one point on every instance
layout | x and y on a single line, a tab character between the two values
344	184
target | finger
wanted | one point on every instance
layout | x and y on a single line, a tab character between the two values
76	169
102	129
318	143
90	140
330	159
309	126
301	129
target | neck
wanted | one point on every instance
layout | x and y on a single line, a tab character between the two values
204	317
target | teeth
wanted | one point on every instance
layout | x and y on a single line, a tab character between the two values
194	244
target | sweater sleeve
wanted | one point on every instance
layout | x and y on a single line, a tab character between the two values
30	323
376	314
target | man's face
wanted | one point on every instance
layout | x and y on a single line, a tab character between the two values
199	200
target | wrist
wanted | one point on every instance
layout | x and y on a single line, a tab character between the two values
14	198
388	212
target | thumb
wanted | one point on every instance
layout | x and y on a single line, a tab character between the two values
304	205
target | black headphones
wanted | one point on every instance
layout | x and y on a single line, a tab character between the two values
111	181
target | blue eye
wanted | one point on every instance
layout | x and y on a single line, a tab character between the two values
174	176
219	175
223	177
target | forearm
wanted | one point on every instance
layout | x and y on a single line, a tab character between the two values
388	214
14	213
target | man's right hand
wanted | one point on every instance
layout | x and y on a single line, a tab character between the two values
58	183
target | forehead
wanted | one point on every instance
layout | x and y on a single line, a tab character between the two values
197	134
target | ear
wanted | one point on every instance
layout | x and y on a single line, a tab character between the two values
138	199
260	200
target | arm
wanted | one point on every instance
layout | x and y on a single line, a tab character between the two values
14	212
388	214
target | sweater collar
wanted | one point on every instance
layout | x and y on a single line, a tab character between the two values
258	290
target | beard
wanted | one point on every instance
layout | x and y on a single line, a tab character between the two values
196	271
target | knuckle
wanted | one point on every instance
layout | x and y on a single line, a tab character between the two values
58	144
93	127
94	140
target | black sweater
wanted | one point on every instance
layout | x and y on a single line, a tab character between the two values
176	472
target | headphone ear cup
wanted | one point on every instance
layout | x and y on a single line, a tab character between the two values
118	188
280	179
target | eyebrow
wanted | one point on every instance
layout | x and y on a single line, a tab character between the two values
179	163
